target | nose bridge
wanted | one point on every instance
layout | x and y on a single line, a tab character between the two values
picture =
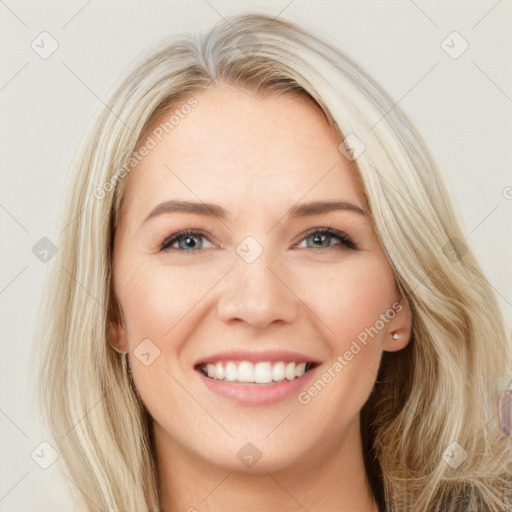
254	291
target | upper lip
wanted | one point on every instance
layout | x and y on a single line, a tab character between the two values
257	357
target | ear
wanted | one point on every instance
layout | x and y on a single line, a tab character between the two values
398	331
117	330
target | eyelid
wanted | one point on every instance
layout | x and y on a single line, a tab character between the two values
343	237
171	239
346	240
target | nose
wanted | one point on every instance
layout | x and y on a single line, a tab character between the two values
258	294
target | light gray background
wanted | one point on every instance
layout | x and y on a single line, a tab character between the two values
462	107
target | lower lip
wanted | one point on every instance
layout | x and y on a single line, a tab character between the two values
254	394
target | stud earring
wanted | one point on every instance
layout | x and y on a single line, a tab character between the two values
395	335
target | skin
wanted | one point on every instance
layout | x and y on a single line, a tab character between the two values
255	155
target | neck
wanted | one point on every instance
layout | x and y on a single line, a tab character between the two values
326	479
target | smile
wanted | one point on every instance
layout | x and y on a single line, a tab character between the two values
265	372
255	378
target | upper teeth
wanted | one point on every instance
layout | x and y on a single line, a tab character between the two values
260	373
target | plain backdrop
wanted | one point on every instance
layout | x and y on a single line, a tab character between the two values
461	106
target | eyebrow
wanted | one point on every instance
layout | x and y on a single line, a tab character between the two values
215	210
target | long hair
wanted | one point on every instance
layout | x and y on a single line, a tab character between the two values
433	402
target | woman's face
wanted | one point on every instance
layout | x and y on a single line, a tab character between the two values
257	289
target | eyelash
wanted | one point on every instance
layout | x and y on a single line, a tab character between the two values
344	239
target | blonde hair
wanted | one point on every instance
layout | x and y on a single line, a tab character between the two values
442	388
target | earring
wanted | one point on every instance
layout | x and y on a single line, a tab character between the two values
395	335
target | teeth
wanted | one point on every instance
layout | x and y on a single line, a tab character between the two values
278	372
219	371
259	373
262	373
300	369
246	372
231	372
290	371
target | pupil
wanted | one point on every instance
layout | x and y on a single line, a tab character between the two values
317	239
189	240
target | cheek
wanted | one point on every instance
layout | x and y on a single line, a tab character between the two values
159	304
350	299
354	310
156	298
163	306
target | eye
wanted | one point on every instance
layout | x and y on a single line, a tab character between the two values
323	237
192	240
188	240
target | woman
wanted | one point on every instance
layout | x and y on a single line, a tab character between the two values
264	298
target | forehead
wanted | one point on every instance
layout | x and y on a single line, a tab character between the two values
241	149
